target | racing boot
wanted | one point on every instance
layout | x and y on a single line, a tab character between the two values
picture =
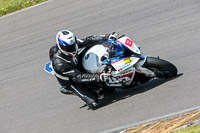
66	91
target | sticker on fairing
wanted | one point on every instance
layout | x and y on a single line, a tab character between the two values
124	67
128	60
121	64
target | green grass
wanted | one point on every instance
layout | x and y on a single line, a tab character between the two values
190	129
8	6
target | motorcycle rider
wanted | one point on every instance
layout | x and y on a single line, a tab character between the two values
67	65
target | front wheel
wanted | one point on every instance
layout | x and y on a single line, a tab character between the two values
162	68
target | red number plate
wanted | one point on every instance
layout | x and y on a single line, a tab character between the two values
129	42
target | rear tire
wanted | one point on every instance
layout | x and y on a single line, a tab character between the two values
161	67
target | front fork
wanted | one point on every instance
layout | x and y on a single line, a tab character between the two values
140	69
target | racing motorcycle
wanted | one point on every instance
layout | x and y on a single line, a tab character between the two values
125	63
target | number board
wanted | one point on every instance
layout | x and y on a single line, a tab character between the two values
129	42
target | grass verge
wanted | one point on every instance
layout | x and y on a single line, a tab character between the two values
8	6
189	129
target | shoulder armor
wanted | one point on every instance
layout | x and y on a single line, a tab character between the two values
53	50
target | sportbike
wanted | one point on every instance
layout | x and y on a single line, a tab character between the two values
126	65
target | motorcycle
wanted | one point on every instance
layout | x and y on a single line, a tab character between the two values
125	63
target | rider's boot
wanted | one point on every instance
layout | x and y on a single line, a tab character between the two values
66	91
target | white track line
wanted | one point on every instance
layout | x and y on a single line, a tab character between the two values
119	129
24	9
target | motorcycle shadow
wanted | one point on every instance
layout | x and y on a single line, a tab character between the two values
122	94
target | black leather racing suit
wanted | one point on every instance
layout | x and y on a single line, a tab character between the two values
67	70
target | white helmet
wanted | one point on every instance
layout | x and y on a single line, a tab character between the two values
66	42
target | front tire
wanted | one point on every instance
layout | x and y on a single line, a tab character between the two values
162	68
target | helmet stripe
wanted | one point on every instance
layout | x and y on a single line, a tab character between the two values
62	42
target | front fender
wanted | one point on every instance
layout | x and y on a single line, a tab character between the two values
141	62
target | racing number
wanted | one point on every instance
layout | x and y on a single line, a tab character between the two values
129	42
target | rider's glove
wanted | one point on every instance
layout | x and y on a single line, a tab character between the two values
113	36
104	77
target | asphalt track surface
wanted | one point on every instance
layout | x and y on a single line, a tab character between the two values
30	100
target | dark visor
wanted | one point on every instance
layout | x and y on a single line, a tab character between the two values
70	48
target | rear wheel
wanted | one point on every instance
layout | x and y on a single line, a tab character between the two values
161	67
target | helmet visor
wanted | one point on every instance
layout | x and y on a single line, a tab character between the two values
70	48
